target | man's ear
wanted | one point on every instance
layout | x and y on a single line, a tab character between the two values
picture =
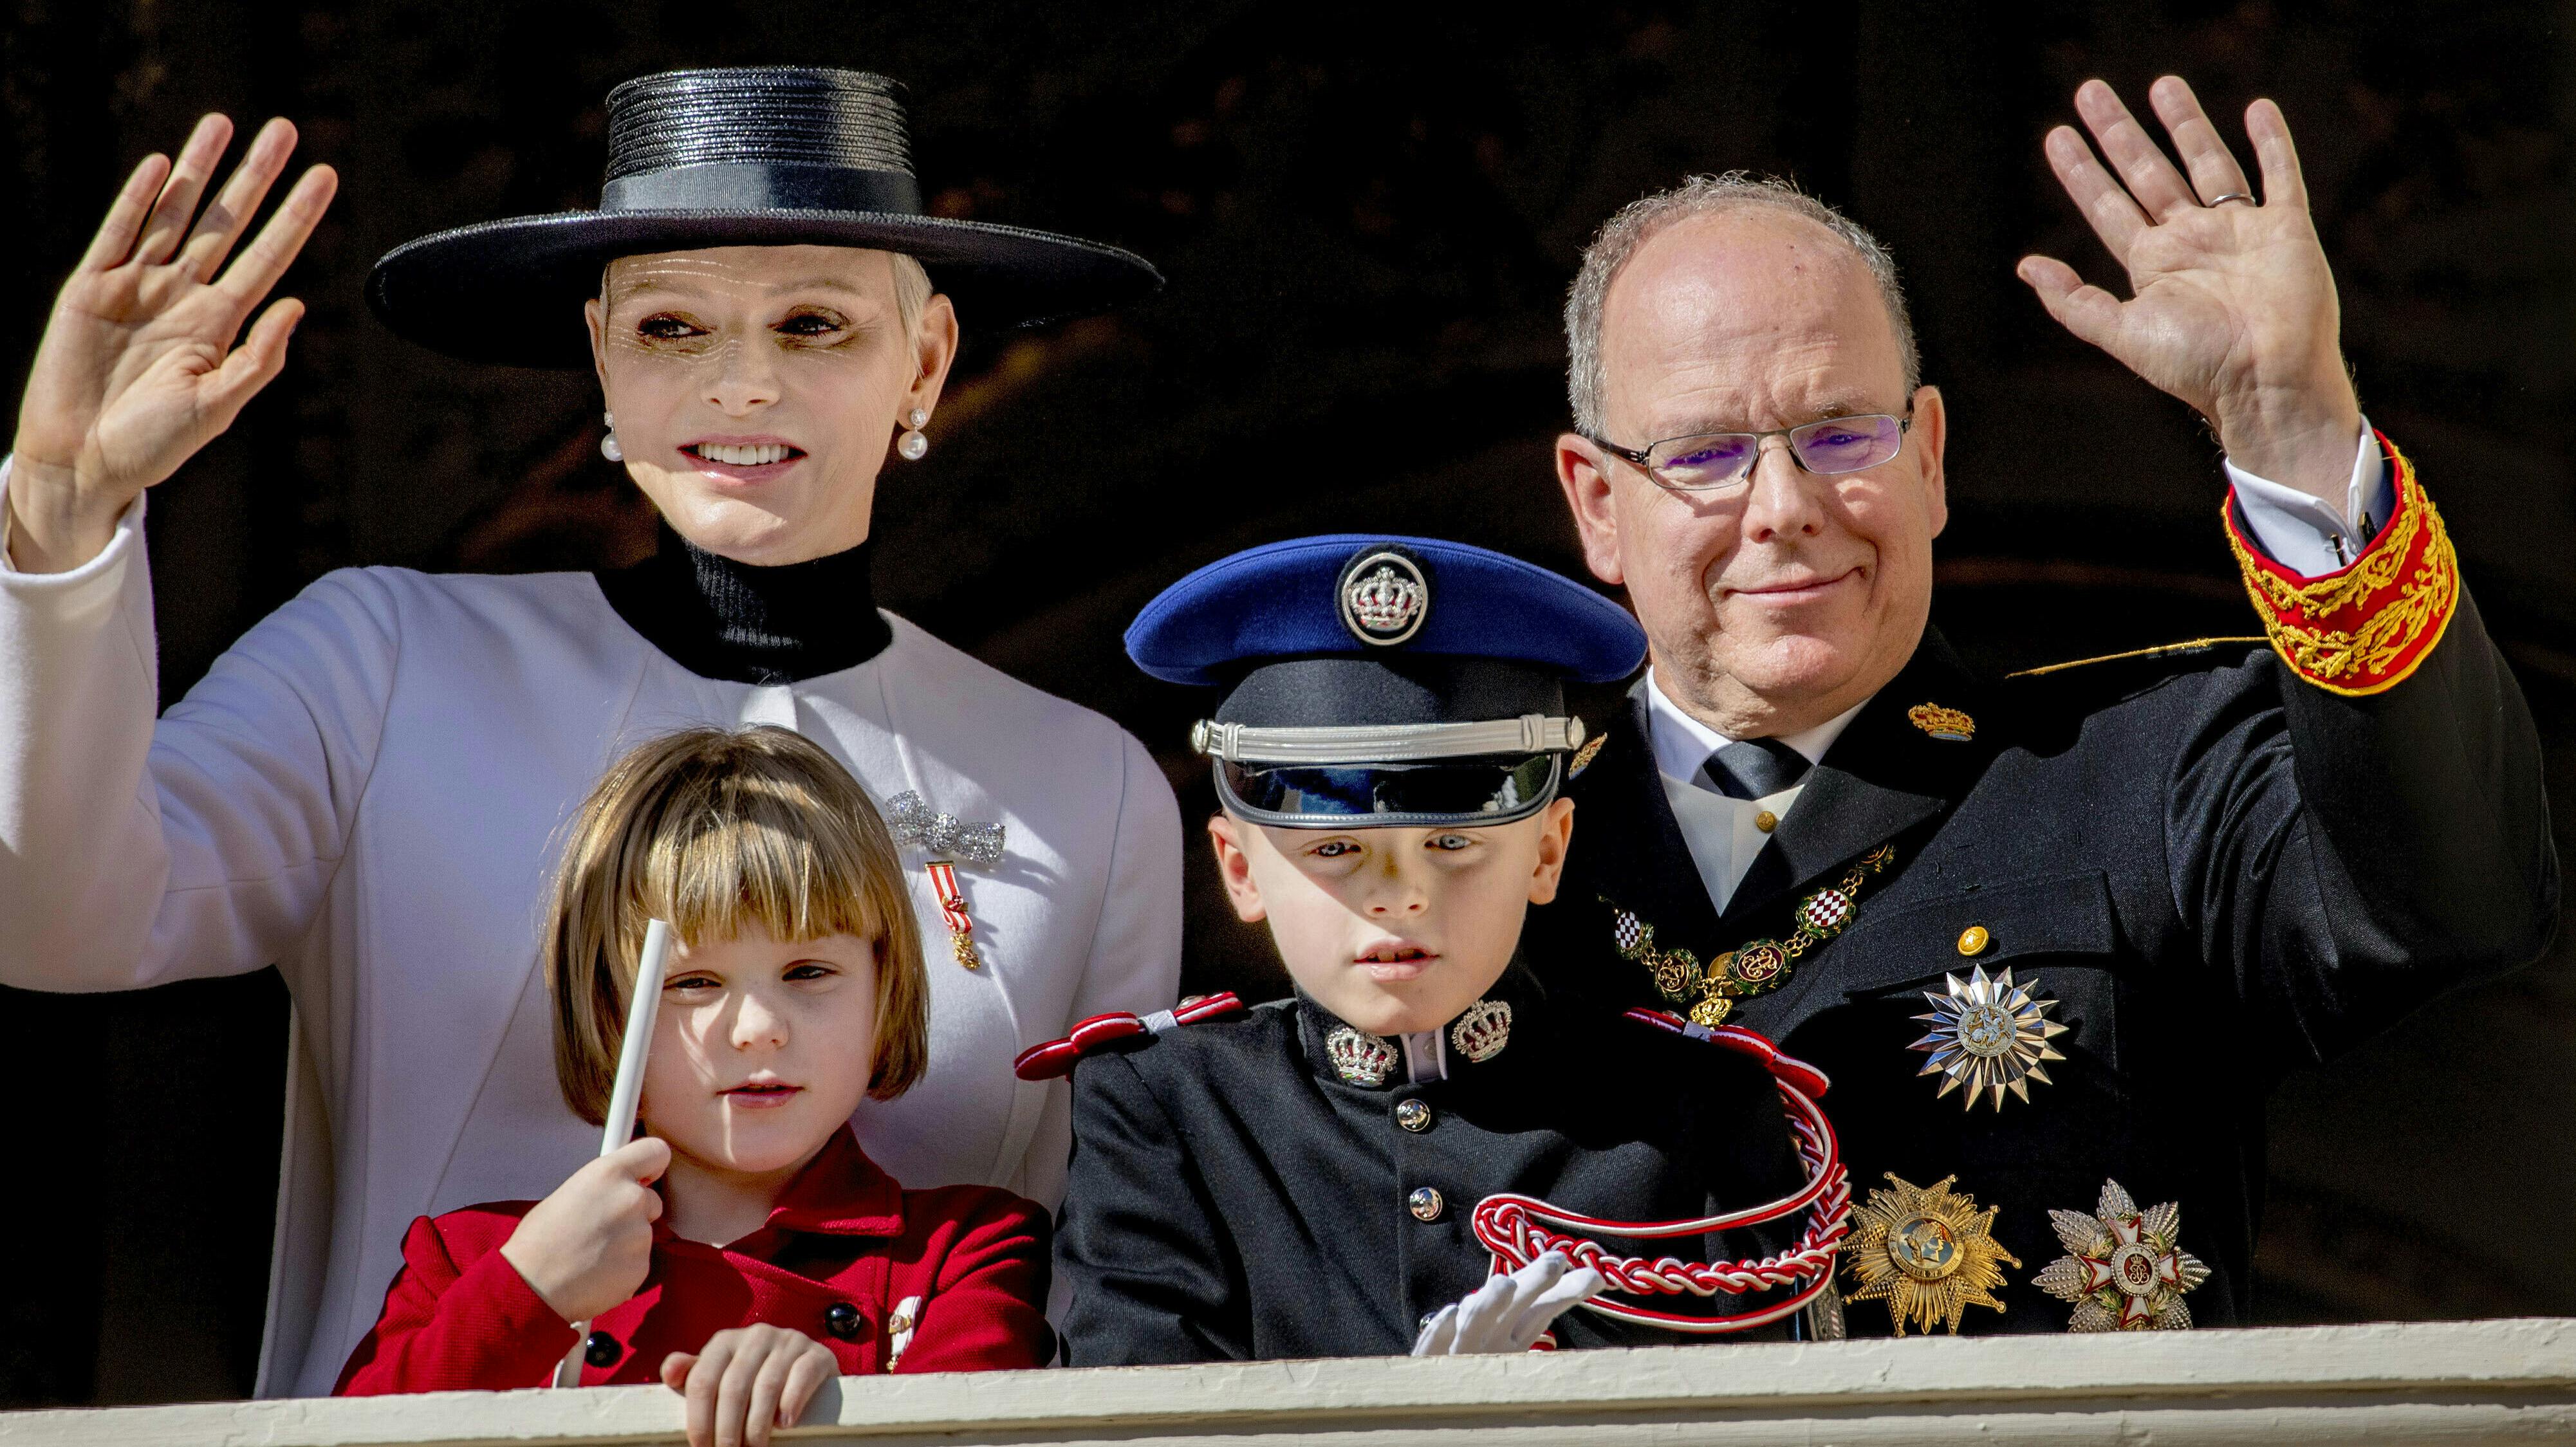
1555	837
1584	473
1932	439
1234	866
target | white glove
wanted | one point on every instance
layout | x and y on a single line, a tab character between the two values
1509	1313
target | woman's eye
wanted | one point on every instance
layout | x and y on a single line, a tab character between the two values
691	982
810	971
664	327
811	324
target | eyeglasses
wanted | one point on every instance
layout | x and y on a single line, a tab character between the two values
1714	461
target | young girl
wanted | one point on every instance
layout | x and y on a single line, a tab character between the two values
743	1248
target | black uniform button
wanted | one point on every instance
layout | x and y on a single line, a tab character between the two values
1413	1115
1425	1203
601	1350
843	1320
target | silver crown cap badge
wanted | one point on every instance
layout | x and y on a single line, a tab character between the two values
1358	1057
1384	598
1483	1031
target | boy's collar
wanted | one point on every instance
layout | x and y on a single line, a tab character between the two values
1505	1020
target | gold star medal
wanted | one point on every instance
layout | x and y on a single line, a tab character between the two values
2122	1269
1929	1254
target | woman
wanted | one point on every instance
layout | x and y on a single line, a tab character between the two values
363	789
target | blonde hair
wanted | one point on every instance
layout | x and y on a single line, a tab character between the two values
911	293
714	831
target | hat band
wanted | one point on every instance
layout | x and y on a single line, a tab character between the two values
763	186
1364	744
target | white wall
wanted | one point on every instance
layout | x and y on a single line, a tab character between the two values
2494	1381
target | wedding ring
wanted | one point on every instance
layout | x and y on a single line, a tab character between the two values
2232	196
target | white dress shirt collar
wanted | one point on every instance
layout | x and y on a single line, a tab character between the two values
1722	834
1682	743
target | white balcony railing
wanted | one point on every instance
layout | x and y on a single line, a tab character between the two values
2447	1382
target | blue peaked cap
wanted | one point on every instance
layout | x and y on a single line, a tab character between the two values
1293	599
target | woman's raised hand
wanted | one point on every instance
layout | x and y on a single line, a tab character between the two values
138	366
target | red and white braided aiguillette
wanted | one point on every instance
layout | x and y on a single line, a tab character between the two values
1057	1057
1514	1228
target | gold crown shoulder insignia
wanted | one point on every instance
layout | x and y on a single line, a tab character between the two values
1947	724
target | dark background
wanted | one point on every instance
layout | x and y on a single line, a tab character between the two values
1368	215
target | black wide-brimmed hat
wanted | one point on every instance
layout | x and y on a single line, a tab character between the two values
748	156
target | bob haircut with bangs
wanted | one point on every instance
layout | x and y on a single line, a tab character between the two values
717	830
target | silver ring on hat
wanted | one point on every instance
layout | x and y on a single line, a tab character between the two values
2232	196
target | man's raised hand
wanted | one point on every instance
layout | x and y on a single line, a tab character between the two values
2232	306
138	367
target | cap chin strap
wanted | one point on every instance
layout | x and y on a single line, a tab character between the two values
1358	745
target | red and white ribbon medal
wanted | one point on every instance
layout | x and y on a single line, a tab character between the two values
948	840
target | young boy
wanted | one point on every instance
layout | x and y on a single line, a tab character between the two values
1299	1179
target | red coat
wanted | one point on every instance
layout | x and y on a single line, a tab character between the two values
845	1235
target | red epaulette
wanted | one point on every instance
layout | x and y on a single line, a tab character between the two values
1743	1042
1056	1057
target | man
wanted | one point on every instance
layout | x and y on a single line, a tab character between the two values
2101	908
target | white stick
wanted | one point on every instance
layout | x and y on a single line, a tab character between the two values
628	1093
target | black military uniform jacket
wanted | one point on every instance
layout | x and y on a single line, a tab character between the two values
1232	1197
2220	871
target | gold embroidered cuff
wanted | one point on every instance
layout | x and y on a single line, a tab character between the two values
2366	628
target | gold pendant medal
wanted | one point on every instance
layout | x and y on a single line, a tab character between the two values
1929	1254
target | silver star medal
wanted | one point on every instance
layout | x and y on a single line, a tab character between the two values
1989	1035
2123	1268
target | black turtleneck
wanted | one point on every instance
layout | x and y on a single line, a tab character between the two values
721	619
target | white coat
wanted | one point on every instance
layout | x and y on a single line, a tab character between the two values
366	791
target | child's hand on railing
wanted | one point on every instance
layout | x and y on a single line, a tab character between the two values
746	1380
586	1248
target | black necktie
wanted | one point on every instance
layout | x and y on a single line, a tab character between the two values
1753	769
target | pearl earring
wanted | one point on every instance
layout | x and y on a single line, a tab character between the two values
608	447
913	444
